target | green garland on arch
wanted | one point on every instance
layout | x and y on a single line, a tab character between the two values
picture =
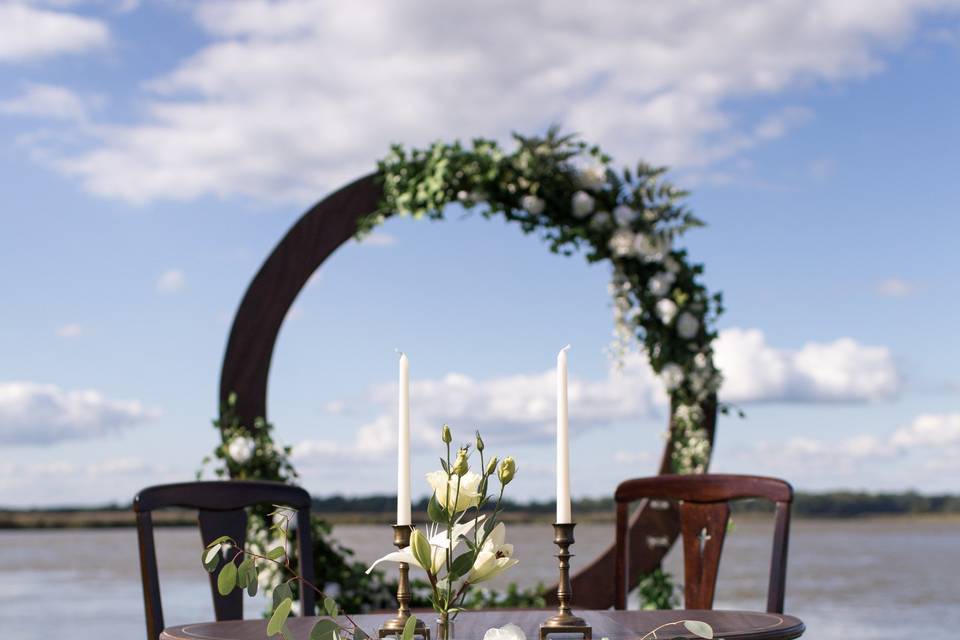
568	192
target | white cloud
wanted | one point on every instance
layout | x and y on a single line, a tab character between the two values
28	33
931	442
70	331
936	430
48	101
35	414
522	407
291	98
897	287
839	371
171	281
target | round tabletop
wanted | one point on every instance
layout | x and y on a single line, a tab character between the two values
471	625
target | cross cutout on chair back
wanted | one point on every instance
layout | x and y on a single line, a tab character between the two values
704	511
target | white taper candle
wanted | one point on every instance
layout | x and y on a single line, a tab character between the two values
563	441
403	444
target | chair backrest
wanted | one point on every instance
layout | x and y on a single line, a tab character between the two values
704	513
221	507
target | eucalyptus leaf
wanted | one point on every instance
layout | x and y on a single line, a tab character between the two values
360	634
330	606
279	617
324	630
253	584
227	579
210	562
276	553
218	541
211	554
281	593
409	628
699	629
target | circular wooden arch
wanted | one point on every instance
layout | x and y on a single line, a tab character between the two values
246	366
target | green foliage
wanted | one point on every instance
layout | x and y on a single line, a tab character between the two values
567	191
513	598
657	591
334	564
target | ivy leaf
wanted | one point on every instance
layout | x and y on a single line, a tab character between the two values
330	606
279	617
699	629
408	628
434	511
324	630
227	579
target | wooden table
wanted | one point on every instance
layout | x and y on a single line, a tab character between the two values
471	625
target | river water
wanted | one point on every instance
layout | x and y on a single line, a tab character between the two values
863	579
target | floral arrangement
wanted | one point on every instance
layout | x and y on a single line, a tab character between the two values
568	191
459	495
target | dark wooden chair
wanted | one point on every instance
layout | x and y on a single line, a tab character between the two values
704	511
221	507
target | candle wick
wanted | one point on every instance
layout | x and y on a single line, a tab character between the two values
566	348
398	352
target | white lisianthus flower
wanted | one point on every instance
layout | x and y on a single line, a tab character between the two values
666	310
467	496
582	204
670	264
533	204
622	242
506	632
651	248
659	285
600	220
241	449
687	325
494	556
672	375
592	177
624	215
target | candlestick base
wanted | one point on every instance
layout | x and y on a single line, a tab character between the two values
564	621
395	626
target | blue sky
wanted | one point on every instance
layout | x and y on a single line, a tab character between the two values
153	154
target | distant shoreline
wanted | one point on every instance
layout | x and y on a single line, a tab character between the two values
113	518
379	509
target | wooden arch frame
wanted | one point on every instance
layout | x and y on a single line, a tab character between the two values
246	367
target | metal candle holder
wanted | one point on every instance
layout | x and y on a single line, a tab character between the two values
564	621
394	626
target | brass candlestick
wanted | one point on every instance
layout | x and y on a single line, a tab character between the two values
394	626
564	621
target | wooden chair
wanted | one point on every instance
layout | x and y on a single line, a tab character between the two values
704	512
221	507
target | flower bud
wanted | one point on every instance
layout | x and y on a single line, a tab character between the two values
445	435
492	467
460	465
479	442
508	469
